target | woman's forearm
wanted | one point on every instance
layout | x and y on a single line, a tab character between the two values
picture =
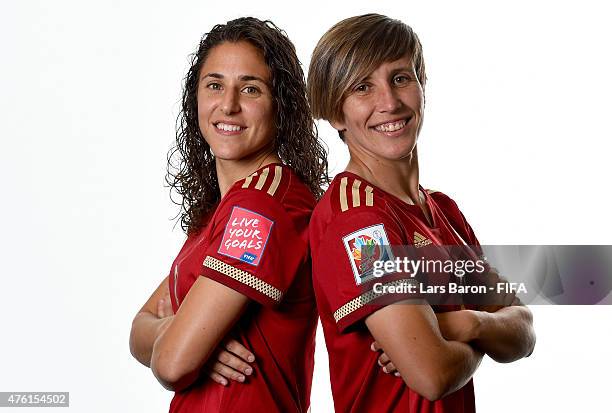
184	345
428	364
146	328
507	334
460	362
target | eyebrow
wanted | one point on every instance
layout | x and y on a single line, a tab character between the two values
407	69
411	69
243	78
395	71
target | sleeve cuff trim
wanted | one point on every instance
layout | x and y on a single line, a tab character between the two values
364	299
244	277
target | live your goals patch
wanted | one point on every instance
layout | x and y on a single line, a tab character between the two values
245	236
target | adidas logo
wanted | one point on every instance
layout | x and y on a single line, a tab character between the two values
420	240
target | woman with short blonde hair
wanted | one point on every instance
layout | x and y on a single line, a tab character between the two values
367	78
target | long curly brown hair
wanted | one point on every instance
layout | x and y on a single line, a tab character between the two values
191	164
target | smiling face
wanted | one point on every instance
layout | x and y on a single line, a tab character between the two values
382	115
236	112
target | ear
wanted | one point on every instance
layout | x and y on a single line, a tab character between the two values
338	125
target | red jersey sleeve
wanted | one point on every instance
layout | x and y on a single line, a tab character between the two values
344	273
255	247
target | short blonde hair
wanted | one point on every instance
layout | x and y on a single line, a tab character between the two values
349	52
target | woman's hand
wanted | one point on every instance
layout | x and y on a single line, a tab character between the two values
454	325
164	307
230	362
384	361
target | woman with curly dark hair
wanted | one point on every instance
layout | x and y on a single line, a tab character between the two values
238	303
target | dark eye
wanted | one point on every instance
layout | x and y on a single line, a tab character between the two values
250	90
362	88
214	86
400	79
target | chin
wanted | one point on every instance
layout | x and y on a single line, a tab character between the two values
395	152
233	153
395	156
228	154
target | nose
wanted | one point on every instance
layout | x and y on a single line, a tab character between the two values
231	102
388	99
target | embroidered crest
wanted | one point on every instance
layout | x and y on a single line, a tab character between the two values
245	236
364	247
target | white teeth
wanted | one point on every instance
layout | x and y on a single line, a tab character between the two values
391	127
228	128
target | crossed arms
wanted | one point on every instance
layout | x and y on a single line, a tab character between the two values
178	346
436	354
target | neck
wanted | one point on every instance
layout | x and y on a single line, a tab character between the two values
400	178
232	171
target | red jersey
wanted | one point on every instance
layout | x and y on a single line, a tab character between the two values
256	242
353	213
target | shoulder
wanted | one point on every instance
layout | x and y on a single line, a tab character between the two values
270	181
350	204
455	216
441	198
348	195
272	185
447	205
274	194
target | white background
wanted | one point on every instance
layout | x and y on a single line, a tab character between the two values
517	131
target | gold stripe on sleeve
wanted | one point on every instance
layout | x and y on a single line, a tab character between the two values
355	191
262	178
243	277
278	173
343	200
248	180
369	196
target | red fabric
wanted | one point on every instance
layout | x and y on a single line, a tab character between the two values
280	332
358	382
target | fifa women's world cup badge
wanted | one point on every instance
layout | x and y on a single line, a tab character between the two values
364	247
